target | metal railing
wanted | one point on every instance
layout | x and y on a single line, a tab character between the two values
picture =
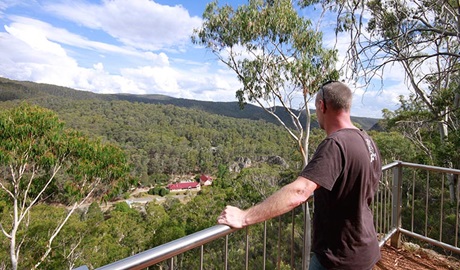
424	204
416	201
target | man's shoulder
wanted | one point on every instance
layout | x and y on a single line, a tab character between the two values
347	133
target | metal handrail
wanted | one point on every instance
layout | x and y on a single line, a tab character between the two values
420	166
171	249
397	185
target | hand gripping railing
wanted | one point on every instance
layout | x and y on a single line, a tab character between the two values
387	207
171	249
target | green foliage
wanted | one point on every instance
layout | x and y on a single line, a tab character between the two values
154	191
55	97
275	54
169	140
41	161
274	29
31	131
93	214
394	146
161	139
161	191
415	37
37	145
122	207
157	178
416	122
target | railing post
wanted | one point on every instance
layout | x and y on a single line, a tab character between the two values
396	206
307	237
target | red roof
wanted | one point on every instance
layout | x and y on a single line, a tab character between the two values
183	185
205	177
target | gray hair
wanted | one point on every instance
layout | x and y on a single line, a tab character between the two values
336	94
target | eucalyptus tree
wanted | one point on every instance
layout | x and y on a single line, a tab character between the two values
422	38
278	58
276	55
40	160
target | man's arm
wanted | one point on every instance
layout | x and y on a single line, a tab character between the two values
280	202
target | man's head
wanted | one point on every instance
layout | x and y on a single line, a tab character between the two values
333	103
335	95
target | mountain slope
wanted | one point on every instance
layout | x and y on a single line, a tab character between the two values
19	90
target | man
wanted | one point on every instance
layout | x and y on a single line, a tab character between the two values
344	174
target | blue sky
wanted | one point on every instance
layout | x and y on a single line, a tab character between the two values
135	46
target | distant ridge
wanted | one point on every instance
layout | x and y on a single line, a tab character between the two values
24	90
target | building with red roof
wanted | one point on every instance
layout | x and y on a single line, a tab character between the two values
184	186
205	180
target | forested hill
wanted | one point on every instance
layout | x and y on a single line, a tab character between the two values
19	90
160	140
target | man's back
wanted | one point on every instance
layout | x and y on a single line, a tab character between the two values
344	235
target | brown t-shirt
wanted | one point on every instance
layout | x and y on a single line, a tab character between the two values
347	166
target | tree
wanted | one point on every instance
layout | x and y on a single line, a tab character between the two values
422	37
276	56
393	146
39	159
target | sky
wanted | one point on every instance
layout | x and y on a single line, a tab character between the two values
137	47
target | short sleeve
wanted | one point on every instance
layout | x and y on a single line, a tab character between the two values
326	165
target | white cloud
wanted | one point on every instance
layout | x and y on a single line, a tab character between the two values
205	81
369	99
39	34
27	53
141	24
161	80
35	38
4	4
33	50
129	47
370	102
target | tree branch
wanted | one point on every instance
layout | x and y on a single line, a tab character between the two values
24	212
61	225
5	232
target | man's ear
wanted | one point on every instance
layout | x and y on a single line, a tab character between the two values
322	107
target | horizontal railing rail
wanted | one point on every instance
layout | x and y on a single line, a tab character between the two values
424	167
171	249
396	190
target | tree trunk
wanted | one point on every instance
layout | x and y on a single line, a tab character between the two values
14	259
451	179
13	254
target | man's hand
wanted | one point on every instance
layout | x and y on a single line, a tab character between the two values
233	217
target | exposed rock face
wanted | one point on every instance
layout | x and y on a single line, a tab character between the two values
277	160
244	162
240	164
